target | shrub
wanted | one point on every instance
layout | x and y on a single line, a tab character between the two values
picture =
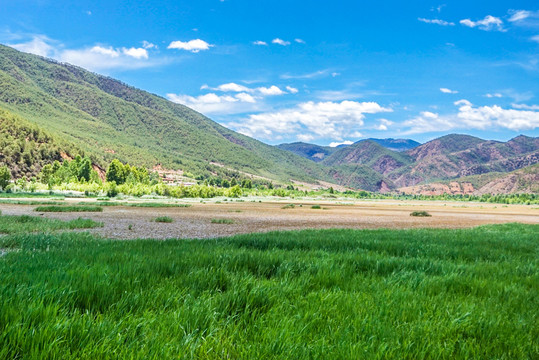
163	219
316	207
420	214
289	206
5	177
222	221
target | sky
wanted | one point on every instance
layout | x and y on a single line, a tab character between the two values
325	72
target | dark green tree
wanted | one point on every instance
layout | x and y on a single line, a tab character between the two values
5	177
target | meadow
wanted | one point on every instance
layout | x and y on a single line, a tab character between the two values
372	294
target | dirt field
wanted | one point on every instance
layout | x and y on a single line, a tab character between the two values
249	217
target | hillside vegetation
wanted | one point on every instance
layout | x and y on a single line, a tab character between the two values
48	109
25	148
109	119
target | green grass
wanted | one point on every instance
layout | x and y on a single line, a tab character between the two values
420	214
222	221
316	207
333	294
24	224
142	204
163	219
78	208
30	202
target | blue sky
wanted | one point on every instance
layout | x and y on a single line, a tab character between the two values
315	71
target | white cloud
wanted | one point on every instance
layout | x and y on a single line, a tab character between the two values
137	53
191	45
470	117
292	90
260	43
519	15
299	41
345	142
272	90
384	124
525	107
535	38
495	95
39	45
94	58
305	137
319	120
233	87
280	42
148	45
212	103
312	75
245	98
436	21
488	23
448	91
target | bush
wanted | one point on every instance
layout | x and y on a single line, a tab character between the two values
5	177
163	219
222	221
316	207
420	214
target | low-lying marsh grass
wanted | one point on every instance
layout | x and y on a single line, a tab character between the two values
373	294
222	221
163	219
10	224
77	208
420	214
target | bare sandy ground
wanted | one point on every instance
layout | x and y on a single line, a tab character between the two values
249	217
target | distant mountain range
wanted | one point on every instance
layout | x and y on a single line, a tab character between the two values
50	110
318	153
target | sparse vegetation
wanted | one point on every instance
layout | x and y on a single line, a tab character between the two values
317	207
10	224
163	219
289	206
420	214
60	208
222	221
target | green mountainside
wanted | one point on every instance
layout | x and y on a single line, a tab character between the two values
312	152
108	119
26	148
371	154
50	110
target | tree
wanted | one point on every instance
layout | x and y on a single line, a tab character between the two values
85	169
116	172
5	177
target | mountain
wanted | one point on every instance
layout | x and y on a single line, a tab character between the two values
26	148
397	144
525	180
371	154
108	119
318	153
455	156
312	152
51	110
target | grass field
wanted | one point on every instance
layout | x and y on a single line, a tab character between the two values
373	294
27	224
76	208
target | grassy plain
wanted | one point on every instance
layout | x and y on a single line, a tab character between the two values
373	294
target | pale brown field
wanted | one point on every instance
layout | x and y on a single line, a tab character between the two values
250	217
